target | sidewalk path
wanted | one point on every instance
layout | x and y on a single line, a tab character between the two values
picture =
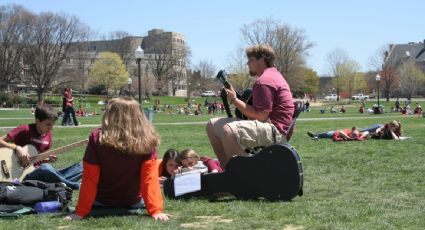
204	122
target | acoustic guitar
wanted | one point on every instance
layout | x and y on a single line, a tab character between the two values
275	173
11	167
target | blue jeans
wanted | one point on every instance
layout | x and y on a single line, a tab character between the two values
70	175
372	128
69	111
327	134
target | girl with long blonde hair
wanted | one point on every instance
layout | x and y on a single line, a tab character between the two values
120	163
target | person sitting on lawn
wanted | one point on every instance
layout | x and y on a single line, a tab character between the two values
120	168
352	134
39	134
342	110
417	110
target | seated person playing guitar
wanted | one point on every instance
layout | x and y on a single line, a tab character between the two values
39	134
269	116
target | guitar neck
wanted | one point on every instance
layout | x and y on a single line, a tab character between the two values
57	151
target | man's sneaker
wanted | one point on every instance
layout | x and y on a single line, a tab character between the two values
311	134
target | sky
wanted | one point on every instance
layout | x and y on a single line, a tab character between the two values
212	28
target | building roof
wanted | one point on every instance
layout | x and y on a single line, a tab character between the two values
404	52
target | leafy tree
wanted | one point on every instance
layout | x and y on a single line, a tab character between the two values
310	81
109	71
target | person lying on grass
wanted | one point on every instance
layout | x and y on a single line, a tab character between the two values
352	134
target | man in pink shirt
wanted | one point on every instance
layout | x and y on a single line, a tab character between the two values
270	114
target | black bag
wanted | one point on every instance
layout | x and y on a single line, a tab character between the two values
30	192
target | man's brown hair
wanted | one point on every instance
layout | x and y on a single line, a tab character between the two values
262	51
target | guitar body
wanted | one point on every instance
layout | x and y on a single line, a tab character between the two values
247	98
275	173
10	166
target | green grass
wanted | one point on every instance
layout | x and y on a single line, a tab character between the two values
374	184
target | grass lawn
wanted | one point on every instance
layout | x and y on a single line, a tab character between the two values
375	184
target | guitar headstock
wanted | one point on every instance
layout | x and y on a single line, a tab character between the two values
222	77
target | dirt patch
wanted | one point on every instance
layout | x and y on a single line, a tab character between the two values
205	222
293	227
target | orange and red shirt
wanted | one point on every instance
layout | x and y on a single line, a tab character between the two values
118	180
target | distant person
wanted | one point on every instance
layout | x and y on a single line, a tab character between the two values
307	106
418	110
69	107
397	105
342	109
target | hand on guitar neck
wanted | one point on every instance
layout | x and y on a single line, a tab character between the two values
228	95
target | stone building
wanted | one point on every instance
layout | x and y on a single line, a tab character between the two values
163	68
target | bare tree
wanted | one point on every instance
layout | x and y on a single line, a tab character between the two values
335	61
290	44
389	78
48	40
77	72
165	60
411	78
122	43
238	70
12	22
206	68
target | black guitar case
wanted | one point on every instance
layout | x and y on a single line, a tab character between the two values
275	173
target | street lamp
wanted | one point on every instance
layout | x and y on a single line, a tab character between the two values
378	78
138	54
129	82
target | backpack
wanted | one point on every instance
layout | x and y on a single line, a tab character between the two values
30	192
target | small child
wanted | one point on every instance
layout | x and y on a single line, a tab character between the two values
189	158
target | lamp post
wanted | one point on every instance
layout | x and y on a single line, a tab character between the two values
378	78
138	54
129	82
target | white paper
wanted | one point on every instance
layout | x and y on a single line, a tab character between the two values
188	182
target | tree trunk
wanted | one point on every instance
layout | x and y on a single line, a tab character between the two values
40	92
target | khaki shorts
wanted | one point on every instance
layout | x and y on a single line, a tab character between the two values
249	133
